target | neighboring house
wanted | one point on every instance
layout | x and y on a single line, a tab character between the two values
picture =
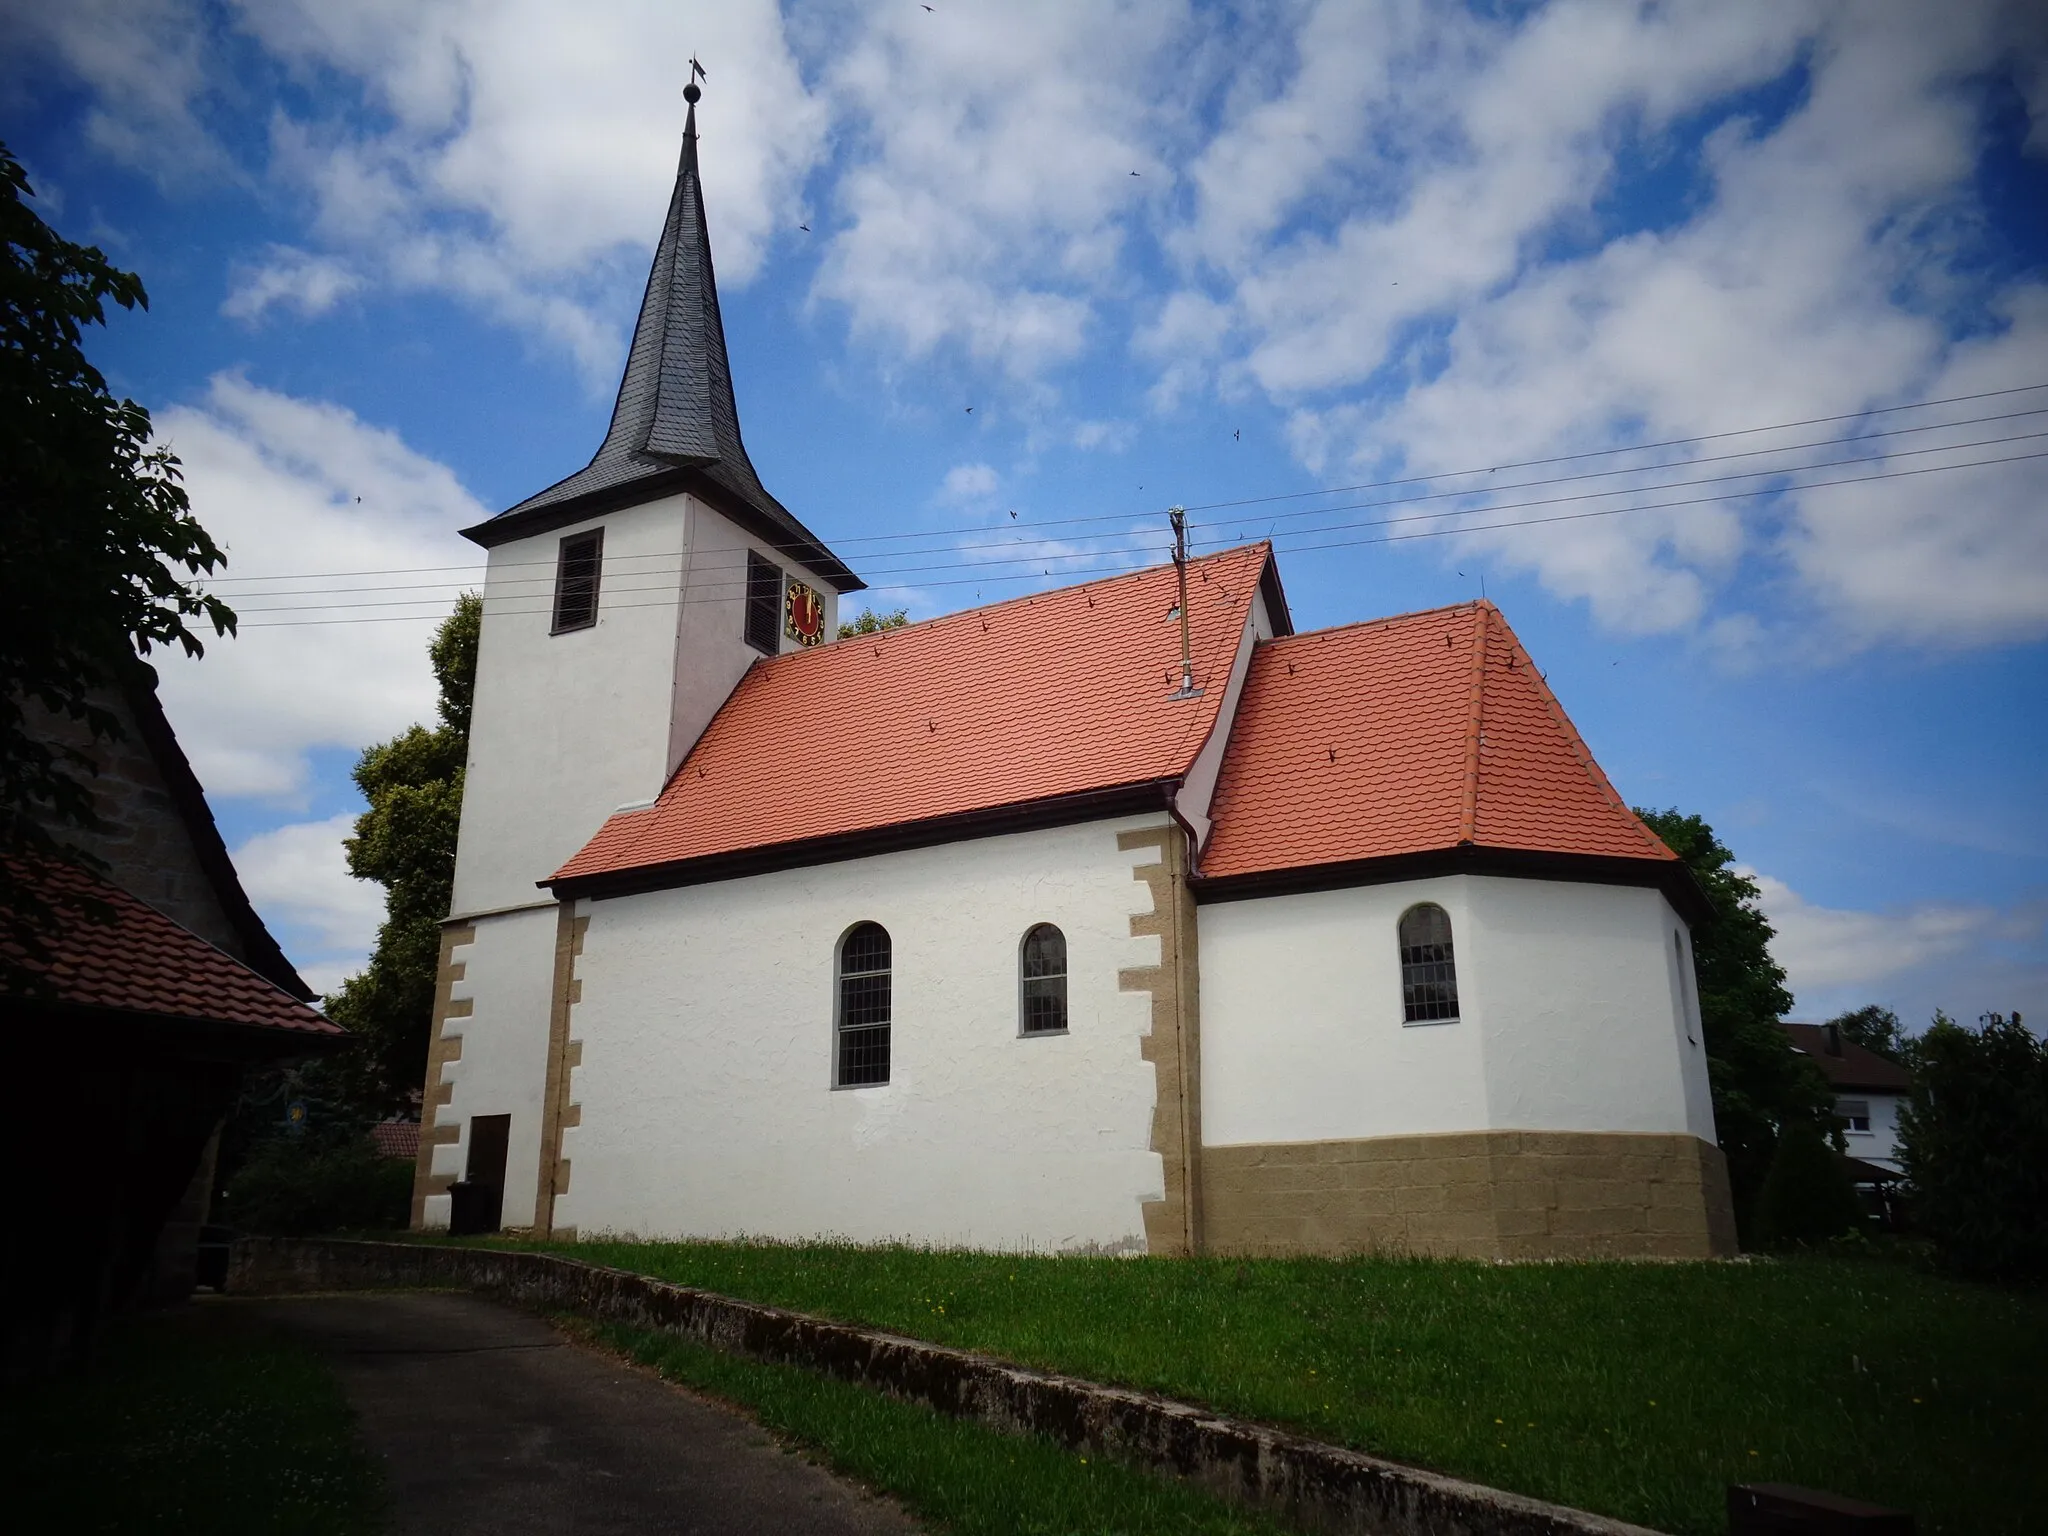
131	1035
988	931
1869	1091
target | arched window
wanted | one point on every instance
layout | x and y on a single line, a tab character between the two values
863	1026
1043	972
1684	988
1429	976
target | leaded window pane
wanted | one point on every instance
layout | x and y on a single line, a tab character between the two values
1044	981
864	1007
1429	974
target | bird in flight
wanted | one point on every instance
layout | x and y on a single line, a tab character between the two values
1134	173
1013	512
970	410
805	228
1238	435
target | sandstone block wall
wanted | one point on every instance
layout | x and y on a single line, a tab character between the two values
1487	1194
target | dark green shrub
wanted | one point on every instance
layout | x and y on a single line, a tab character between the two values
1974	1142
1807	1196
293	1187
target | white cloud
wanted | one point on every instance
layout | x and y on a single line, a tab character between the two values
967	484
296	279
297	875
1966	958
991	192
290	487
1817	273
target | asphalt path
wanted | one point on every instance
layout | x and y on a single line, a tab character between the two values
490	1420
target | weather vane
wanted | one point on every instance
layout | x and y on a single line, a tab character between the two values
697	72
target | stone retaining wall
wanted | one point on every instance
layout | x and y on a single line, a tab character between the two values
1311	1484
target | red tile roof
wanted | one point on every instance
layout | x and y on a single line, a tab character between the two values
1064	693
396	1138
1403	736
142	962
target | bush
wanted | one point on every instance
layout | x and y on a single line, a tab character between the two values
290	1188
1807	1196
1974	1142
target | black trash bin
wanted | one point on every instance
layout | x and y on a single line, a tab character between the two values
474	1208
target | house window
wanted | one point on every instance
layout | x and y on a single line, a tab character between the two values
764	604
1429	976
1855	1114
863	1007
577	567
1043	977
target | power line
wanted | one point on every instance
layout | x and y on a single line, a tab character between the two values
541	606
1327	490
714	564
692	584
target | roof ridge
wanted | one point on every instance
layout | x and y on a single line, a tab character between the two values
1022	597
1387	618
1475	731
1584	753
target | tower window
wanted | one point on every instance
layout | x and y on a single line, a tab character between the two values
1429	975
864	1007
764	604
577	568
1043	979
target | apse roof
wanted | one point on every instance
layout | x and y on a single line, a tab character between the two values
675	425
1426	732
1044	699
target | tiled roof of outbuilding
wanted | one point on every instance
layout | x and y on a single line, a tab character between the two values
1064	693
141	962
1408	735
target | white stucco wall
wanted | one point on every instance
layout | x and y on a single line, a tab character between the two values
566	728
508	981
1880	1144
707	1105
1570	1018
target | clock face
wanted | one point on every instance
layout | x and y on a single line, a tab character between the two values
804	615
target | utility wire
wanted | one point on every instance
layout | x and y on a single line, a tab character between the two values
1337	490
1042	560
509	606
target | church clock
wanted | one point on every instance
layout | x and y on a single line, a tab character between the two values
804	615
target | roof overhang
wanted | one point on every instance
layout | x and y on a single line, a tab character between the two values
991	821
175	1036
1674	879
808	550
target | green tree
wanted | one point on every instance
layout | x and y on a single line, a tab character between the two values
873	623
405	842
95	528
1806	1197
1974	1144
1876	1029
1760	1083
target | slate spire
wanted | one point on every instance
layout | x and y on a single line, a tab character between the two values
675	424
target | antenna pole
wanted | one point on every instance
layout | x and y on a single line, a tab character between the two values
1179	518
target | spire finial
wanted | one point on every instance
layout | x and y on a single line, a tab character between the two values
691	93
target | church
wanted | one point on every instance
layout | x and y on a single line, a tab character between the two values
1120	918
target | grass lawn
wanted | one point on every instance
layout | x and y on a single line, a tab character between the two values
194	1421
953	1475
1635	1390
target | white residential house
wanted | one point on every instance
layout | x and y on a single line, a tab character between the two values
1870	1090
992	931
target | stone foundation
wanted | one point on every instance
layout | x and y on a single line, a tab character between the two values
1486	1194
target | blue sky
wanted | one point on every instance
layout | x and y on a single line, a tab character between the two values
1168	253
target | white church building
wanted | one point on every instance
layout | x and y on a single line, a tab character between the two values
992	932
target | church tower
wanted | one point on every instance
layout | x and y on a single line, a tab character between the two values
621	607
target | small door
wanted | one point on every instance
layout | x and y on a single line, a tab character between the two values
490	1138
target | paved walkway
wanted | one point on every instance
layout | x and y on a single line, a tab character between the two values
488	1420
